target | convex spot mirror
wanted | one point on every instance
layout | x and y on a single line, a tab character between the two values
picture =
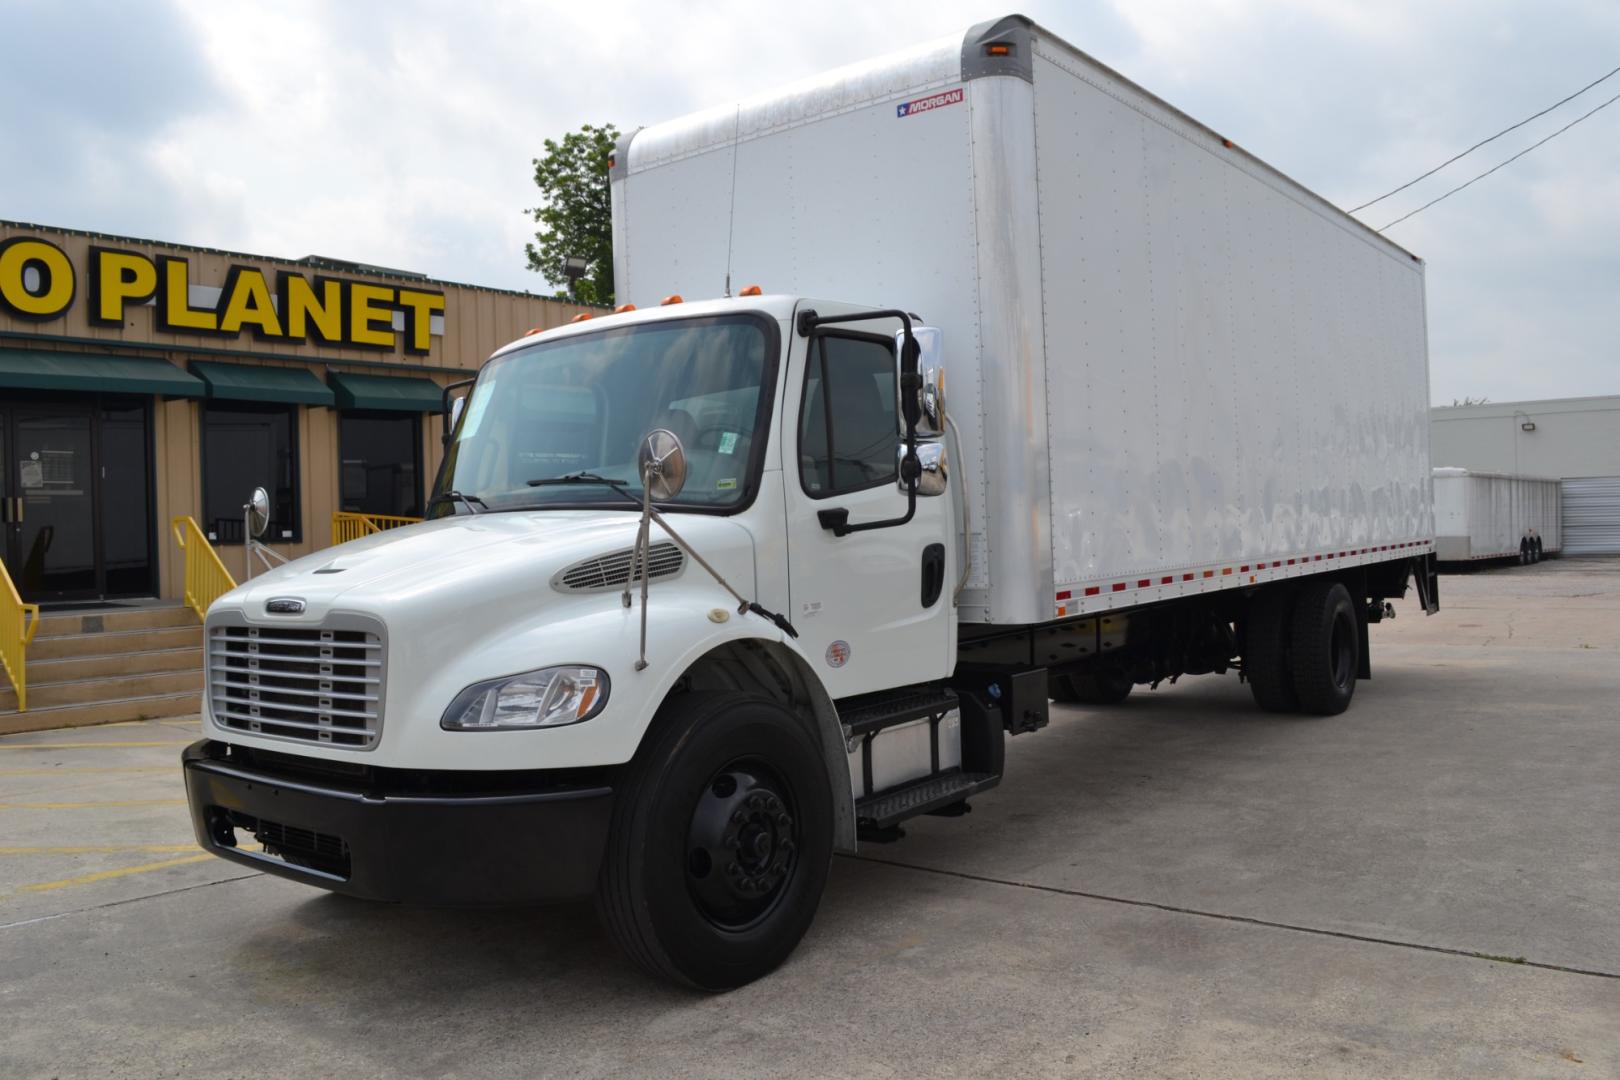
661	461
930	365
258	512
934	476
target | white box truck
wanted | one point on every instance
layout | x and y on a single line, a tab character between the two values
716	588
1482	517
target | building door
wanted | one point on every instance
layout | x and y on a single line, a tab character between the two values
77	497
1592	515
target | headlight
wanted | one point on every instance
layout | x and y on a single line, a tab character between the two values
550	697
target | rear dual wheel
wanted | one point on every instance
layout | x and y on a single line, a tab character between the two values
720	842
1302	648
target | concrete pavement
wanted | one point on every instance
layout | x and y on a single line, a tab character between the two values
1428	885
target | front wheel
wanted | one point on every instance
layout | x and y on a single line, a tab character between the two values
720	842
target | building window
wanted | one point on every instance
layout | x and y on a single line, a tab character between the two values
244	446
848	429
380	457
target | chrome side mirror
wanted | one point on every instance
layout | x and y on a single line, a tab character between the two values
258	512
661	461
934	477
931	394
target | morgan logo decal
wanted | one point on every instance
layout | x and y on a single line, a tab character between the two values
838	654
284	605
928	104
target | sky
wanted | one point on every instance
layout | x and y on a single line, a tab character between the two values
402	133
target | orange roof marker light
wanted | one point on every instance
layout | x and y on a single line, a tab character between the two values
672	298
581	317
622	308
533	331
998	48
751	290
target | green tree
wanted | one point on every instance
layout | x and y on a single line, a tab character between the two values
575	213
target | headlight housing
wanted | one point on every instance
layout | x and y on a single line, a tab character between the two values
549	697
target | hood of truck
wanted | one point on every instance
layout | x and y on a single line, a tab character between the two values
491	559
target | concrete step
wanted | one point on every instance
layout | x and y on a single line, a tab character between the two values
101	712
108	643
113	620
71	668
105	688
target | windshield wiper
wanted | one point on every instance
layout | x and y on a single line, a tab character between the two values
472	502
580	478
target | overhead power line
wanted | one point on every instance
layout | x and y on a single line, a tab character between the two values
1509	161
1482	142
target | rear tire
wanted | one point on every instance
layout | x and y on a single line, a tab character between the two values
1266	653
720	843
1326	648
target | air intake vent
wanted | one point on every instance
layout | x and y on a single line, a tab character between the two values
613	570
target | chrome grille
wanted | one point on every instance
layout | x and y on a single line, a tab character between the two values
613	570
308	684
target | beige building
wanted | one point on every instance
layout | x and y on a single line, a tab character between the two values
140	381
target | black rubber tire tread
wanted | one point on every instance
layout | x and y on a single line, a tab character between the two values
1266	652
1061	689
1318	607
1102	688
623	900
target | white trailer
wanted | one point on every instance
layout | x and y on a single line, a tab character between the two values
715	588
1481	516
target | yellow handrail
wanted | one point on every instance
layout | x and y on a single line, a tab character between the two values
18	621
206	577
348	526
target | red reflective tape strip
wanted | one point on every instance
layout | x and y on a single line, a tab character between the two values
1166	580
1144	583
1093	590
1243	569
1290	562
1064	595
1186	577
1118	586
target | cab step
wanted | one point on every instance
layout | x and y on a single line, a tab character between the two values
867	713
888	808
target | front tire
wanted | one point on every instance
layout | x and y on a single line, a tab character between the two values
720	843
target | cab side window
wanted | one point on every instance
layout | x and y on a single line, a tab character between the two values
848	429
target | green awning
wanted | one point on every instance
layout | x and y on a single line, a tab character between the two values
385	392
247	382
39	369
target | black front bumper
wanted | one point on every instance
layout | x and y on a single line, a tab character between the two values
388	834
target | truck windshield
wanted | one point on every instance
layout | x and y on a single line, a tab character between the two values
580	405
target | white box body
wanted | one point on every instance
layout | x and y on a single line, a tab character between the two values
1174	369
1479	515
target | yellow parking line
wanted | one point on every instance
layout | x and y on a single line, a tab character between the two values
107	875
89	805
82	745
100	849
79	770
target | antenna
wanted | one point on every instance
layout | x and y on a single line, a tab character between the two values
731	225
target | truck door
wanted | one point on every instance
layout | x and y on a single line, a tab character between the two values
873	608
